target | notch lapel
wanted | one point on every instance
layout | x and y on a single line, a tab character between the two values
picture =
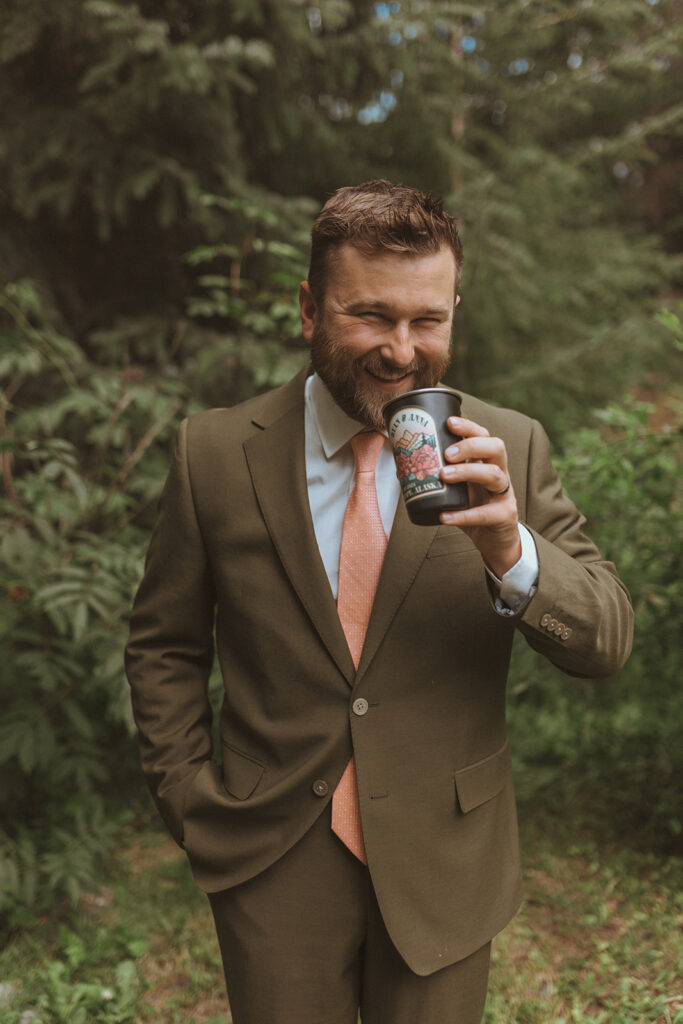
276	459
406	551
277	464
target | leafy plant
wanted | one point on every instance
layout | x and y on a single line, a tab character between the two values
85	433
610	750
79	983
69	561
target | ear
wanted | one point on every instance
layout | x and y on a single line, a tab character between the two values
457	301
309	311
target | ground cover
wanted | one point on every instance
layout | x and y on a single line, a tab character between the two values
597	941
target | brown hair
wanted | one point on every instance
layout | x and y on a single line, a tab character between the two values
377	217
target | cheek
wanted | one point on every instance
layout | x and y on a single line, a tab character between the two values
435	348
358	341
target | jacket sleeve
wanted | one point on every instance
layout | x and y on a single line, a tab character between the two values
580	617
170	649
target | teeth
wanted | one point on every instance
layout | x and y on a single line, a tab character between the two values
380	376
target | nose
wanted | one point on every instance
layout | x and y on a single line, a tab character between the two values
397	347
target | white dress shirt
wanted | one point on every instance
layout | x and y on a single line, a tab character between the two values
330	471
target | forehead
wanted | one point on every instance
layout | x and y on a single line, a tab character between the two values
387	276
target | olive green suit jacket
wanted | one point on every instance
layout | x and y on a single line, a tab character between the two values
234	552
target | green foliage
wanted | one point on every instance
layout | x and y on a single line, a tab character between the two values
595	942
562	113
552	127
611	751
85	433
69	561
143	110
258	343
79	982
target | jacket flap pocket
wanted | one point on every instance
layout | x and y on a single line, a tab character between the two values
451	542
241	773
482	780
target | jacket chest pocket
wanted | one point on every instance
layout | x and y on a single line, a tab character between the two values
451	542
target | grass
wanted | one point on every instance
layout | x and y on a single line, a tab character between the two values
597	942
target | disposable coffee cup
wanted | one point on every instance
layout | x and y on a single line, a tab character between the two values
419	436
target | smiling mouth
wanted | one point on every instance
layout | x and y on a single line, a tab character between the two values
385	379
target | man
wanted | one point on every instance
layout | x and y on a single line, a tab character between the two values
358	842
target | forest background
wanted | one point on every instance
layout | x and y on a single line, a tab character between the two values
160	166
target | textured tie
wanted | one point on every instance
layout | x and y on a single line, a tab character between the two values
363	545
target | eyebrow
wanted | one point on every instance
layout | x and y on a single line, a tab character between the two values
372	305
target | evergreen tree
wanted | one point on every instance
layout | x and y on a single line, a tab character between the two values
541	121
551	117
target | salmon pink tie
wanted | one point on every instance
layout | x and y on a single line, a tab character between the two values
363	545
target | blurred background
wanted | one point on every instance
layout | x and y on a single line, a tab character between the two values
160	166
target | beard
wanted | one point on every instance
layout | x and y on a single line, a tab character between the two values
344	377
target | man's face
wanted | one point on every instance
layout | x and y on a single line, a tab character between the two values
384	327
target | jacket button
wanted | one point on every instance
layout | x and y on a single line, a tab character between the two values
320	787
360	706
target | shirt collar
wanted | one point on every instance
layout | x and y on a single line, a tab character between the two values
335	428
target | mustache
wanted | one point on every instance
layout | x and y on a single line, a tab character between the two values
381	367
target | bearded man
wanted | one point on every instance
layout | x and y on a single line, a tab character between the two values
358	838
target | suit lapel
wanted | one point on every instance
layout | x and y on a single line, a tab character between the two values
406	551
276	458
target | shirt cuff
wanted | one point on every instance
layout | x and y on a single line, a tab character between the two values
519	583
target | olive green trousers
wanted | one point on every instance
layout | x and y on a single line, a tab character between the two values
304	943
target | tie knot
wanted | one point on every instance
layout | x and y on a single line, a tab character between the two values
366	448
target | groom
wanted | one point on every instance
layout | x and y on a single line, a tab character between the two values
358	838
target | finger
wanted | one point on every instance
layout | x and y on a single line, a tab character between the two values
485	448
492	478
465	428
492	514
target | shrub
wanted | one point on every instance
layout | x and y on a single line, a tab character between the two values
610	751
